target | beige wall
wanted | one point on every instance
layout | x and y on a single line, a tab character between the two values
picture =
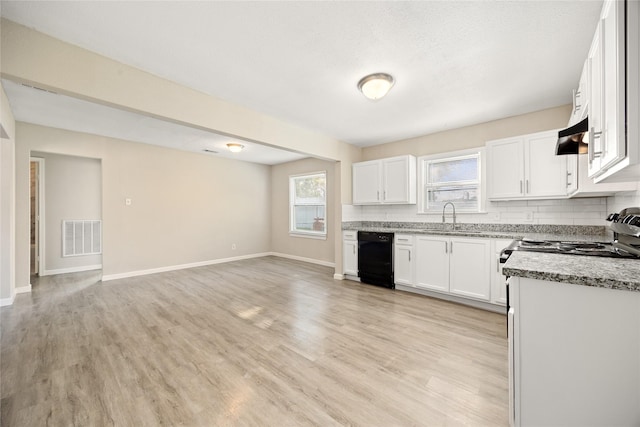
473	136
7	203
39	60
73	191
186	207
281	241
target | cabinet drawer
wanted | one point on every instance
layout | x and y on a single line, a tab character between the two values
403	239
350	235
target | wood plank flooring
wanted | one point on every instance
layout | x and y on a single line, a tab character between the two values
261	342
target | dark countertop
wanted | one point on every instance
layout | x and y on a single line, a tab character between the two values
611	273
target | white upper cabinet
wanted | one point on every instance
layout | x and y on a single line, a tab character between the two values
385	181
607	139
506	168
367	182
581	97
526	167
613	69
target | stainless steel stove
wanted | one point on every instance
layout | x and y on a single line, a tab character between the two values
625	244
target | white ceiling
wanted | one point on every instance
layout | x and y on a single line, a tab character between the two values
456	63
49	109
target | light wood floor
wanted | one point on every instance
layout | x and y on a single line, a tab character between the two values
270	342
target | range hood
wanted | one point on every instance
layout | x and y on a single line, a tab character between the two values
571	140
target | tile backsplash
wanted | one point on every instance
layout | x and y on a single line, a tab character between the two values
578	211
623	200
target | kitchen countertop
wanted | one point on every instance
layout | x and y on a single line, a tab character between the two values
611	273
493	234
603	272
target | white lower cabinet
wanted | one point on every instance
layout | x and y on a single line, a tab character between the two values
458	266
575	357
350	252
403	259
432	265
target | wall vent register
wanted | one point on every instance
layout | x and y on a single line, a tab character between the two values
81	237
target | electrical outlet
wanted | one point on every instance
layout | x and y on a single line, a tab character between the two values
529	216
127	201
233	246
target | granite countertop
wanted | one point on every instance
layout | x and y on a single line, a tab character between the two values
494	231
612	273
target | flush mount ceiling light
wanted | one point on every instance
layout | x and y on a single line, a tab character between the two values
235	148
375	86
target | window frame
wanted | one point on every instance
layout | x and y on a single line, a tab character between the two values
310	234
423	168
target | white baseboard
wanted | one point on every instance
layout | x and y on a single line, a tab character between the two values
107	277
8	301
299	258
24	289
71	270
453	298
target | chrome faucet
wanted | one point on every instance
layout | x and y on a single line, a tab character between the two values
454	213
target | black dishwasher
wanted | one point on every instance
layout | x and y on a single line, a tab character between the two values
375	258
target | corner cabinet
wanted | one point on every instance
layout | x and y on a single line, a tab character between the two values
350	252
385	181
526	167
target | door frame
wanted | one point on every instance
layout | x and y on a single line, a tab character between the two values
40	209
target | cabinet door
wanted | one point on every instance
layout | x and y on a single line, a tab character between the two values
545	173
506	168
399	180
498	280
595	102
366	182
350	257
581	97
403	263
432	263
469	261
613	48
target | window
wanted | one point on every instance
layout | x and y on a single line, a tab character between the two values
455	179
308	204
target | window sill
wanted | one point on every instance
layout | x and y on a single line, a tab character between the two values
308	235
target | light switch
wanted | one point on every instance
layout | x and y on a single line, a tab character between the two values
127	202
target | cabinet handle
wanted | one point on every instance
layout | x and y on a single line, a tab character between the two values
384	195
446	249
568	181
451	247
409	252
378	195
592	137
528	186
521	187
498	264
403	240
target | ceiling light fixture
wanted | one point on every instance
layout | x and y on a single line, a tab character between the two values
235	148
375	86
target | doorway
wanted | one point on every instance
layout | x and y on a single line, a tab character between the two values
36	198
